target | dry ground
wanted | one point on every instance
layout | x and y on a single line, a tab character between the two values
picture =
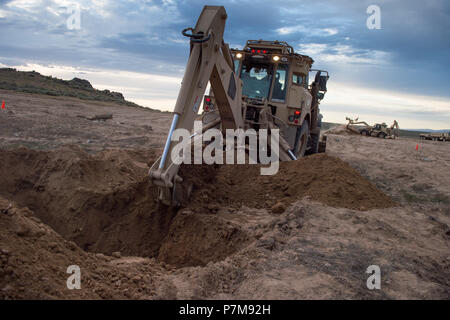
75	192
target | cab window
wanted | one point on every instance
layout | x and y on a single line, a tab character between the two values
280	83
256	78
298	79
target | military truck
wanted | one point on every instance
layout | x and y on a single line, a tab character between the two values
443	136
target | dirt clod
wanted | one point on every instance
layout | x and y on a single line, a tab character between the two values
279	207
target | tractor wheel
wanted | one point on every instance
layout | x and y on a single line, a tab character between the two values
381	135
302	140
314	144
363	132
322	146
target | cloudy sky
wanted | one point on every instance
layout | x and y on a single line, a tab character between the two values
400	71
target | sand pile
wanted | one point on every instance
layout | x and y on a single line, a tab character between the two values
320	177
339	130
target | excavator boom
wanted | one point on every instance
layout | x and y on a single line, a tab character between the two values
209	60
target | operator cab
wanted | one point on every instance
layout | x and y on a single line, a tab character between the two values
263	79
264	70
275	77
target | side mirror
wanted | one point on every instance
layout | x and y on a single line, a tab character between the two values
323	83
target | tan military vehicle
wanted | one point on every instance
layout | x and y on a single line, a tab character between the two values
380	130
263	86
274	76
443	136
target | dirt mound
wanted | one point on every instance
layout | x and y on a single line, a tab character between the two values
322	178
103	202
339	130
34	261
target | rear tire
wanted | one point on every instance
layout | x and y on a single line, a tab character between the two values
323	145
314	144
302	141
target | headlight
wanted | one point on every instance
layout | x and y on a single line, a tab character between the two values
275	58
238	55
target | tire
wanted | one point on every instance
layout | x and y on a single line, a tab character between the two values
363	132
314	144
322	146
302	140
381	135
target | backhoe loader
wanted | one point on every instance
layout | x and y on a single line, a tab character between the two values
380	130
263	86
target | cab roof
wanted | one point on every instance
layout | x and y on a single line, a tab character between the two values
280	47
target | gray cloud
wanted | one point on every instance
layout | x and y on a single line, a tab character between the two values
410	53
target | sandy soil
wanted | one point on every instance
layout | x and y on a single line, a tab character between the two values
75	192
44	123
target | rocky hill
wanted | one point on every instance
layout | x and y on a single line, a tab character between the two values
34	82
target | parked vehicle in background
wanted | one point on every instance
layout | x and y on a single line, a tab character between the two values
442	136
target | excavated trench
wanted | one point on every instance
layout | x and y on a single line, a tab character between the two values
104	203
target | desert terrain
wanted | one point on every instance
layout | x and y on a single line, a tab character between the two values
75	192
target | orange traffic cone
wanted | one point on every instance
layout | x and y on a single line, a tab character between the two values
3	105
417	147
